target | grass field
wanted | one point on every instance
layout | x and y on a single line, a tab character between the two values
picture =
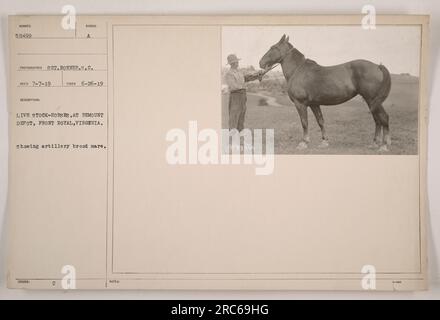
350	126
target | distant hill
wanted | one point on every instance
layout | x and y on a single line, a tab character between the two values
404	78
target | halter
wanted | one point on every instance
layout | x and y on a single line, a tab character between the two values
281	59
285	55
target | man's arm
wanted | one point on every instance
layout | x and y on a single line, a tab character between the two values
254	76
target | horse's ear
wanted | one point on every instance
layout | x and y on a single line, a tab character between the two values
282	38
287	39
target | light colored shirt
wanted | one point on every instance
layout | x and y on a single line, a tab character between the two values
235	79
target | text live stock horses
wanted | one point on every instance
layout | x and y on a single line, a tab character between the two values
312	85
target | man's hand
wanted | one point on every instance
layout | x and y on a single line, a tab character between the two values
254	76
260	74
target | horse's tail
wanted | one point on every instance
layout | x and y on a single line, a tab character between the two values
385	88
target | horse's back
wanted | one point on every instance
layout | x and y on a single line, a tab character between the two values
354	68
332	85
325	85
366	69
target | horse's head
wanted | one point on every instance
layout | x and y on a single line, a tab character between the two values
276	53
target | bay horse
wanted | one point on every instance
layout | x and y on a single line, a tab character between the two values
312	85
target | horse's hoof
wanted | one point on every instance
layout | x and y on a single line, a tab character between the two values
388	141
323	144
384	148
301	146
374	145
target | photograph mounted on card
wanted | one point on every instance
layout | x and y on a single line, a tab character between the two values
218	152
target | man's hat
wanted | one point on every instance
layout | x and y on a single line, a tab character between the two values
232	58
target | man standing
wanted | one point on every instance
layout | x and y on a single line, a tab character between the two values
235	80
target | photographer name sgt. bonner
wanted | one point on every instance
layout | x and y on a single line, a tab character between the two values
208	147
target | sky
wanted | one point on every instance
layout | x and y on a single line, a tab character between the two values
397	47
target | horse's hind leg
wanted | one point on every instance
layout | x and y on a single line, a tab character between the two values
320	119
378	131
384	120
381	120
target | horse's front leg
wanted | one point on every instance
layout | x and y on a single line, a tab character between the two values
302	111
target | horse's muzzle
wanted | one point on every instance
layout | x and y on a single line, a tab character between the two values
265	65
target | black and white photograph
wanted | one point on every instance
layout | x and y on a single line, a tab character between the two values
324	89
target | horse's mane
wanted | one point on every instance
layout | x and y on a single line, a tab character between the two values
297	54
